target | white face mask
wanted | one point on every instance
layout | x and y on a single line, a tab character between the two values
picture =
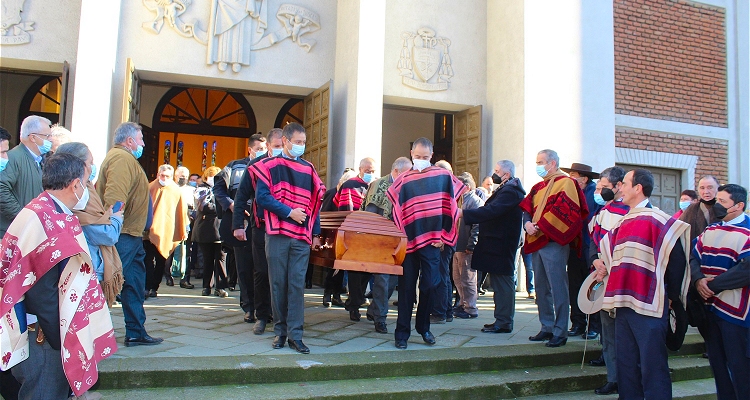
83	200
210	181
164	183
420	164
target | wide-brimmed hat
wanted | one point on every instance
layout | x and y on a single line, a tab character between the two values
582	169
591	294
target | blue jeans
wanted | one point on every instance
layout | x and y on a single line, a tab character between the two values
529	272
132	256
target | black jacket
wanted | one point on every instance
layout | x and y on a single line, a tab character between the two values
206	228
225	188
499	229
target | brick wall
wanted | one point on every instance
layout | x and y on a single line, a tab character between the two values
712	153
670	61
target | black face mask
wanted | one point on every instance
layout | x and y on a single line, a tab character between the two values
182	181
607	194
497	179
720	212
709	203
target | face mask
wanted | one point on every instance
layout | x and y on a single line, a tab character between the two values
709	202
608	194
45	147
182	181
297	150
193	184
276	152
3	163
163	183
497	179
259	154
420	164
210	181
138	151
83	200
598	199
368	178
684	205
93	172
541	171
719	211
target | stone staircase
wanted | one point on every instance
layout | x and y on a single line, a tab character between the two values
529	371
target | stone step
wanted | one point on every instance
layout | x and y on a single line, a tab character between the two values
130	373
691	374
699	389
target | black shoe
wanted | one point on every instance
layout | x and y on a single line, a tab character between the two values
599	362
186	285
370	317
249	318
152	293
170	281
278	342
428	338
401	344
142	341
354	315
206	292
608	388
495	329
541	336
449	317
434	319
221	293
336	301
591	335
298	346
381	327
482	292
231	288
260	327
489	325
577	330
557	342
326	299
464	315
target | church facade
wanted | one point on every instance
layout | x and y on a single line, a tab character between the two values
657	83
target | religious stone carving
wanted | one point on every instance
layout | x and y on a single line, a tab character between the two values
13	29
170	10
228	43
423	55
296	22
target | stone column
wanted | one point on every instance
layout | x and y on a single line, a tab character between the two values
95	65
551	82
358	86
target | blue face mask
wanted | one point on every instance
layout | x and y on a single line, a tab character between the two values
93	172
138	151
297	150
3	163
276	152
541	171
259	154
193	184
45	147
368	178
684	205
599	199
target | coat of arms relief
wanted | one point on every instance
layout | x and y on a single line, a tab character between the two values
425	63
13	28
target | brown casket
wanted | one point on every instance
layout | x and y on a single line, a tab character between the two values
360	241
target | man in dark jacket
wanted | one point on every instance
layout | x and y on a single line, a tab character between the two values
499	233
465	277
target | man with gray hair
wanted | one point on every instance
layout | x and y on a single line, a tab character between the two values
376	201
122	180
554	213
21	181
60	135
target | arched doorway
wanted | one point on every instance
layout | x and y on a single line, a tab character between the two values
292	111
198	128
43	98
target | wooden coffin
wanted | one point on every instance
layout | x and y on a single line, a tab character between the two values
360	241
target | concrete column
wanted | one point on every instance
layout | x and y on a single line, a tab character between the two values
551	82
95	65
738	90
358	85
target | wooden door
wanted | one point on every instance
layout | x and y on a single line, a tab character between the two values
64	94
131	96
667	187
316	123
467	142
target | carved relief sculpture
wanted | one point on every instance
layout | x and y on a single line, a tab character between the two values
170	10
423	55
230	39
296	21
13	30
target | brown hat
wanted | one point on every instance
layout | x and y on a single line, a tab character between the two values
582	169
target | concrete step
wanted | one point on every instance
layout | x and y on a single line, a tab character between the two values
131	373
561	380
699	389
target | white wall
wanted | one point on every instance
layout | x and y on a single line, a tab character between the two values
401	127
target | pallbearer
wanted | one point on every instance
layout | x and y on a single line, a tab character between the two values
289	191
424	207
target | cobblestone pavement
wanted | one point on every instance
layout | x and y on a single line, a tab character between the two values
197	326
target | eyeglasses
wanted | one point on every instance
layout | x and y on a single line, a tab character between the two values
46	136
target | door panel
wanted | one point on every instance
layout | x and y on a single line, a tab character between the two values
667	187
467	149
131	96
317	115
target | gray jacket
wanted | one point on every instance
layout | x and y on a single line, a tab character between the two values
468	234
20	182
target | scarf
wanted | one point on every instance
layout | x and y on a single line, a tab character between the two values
294	183
719	248
95	214
351	194
558	207
425	206
169	227
37	240
377	194
636	252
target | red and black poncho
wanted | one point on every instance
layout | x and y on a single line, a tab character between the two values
351	194
424	206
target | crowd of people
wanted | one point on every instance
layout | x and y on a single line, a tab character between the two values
253	224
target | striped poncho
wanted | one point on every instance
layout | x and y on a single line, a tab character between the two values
606	219
720	247
351	194
424	206
636	252
295	184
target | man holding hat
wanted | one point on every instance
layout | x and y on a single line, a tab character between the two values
578	268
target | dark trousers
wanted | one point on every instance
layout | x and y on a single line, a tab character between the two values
231	267
156	265
427	262
260	275
504	296
441	305
214	264
132	254
287	265
640	343
243	258
334	283
9	386
357	287
41	375
729	355
578	270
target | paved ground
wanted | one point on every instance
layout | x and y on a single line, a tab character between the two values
197	326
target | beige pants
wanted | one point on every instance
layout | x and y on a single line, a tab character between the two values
465	279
